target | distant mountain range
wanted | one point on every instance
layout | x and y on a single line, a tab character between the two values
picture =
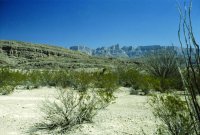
125	51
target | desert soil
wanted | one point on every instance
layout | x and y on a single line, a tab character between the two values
128	115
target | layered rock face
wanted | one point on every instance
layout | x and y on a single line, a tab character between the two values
18	54
31	51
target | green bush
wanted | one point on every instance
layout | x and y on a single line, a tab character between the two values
81	80
62	78
106	84
6	89
58	78
38	78
9	79
173	113
144	82
150	82
128	77
33	79
171	83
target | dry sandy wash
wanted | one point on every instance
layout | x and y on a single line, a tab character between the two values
126	116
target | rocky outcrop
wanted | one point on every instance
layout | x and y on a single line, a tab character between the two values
18	54
33	51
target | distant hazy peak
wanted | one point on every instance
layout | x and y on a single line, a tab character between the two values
125	51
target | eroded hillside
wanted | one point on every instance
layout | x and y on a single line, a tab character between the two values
16	54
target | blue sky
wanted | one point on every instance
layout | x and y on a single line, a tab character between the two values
93	23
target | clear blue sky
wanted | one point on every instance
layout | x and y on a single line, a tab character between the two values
93	23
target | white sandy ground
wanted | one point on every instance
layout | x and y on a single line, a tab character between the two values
127	116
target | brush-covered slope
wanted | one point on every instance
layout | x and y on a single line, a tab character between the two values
22	55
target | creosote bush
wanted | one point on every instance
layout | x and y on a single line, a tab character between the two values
173	113
130	77
106	84
81	80
68	110
9	79
38	78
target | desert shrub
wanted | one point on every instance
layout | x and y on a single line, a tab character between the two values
58	78
171	83
78	80
62	78
150	82
9	79
163	65
107	80
38	78
47	78
147	82
33	79
81	80
173	113
6	89
106	84
128	77
137	80
69	109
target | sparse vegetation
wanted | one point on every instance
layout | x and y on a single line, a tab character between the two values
73	107
58	78
173	113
